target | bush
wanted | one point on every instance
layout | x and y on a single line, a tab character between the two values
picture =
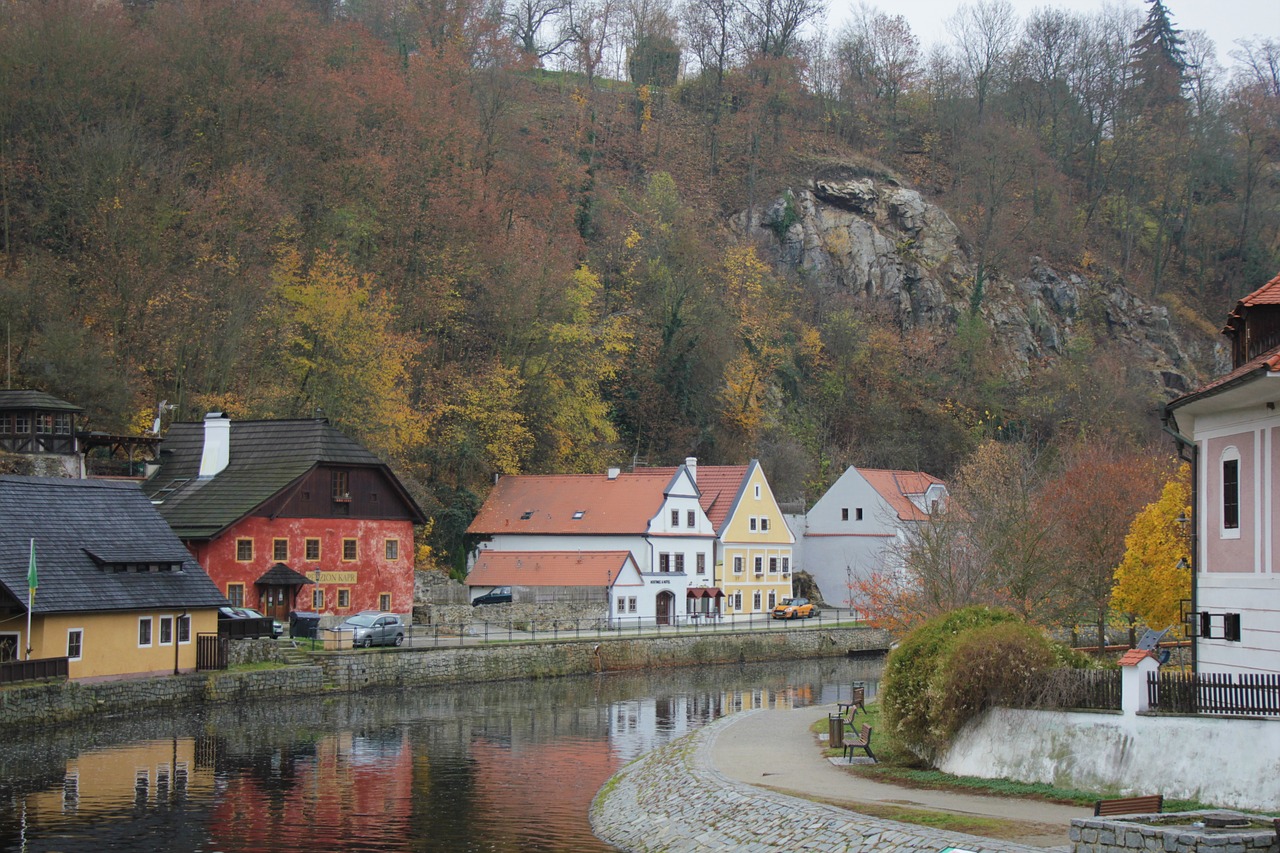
953	667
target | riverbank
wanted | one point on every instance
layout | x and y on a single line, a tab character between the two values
33	705
691	797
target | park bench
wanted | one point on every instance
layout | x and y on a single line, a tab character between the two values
862	742
856	701
1152	804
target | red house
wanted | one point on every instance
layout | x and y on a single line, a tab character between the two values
288	515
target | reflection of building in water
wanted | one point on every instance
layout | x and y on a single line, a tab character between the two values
351	787
640	725
156	774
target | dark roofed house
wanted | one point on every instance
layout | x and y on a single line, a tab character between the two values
288	515
117	592
41	428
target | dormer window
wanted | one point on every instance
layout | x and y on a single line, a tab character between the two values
526	515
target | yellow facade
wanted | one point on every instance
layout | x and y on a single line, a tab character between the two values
155	772
756	551
110	643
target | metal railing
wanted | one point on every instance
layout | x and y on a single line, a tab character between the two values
14	671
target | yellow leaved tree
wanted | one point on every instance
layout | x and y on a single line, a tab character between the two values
1155	576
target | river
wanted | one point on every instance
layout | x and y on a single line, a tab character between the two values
503	766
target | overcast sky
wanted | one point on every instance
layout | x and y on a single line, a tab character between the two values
1225	21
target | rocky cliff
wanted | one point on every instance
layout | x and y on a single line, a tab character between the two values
881	240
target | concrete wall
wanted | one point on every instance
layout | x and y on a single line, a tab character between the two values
44	704
1227	762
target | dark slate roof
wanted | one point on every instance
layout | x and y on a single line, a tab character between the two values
69	518
282	575
266	457
10	400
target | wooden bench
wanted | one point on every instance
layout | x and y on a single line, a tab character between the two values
862	742
858	700
1152	804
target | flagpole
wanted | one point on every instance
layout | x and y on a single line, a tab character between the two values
31	593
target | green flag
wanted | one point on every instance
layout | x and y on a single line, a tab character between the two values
32	582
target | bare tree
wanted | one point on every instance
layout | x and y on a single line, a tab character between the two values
592	29
771	28
985	35
528	21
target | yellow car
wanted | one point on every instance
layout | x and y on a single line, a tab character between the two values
794	608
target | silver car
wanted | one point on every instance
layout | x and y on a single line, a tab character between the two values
373	628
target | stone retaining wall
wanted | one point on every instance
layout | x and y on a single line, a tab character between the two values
46	703
1108	835
673	800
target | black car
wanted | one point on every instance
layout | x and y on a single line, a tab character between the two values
497	595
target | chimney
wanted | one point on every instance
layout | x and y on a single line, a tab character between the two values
614	472
217	444
691	462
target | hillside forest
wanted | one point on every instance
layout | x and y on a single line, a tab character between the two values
499	237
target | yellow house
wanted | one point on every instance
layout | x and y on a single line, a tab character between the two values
753	544
116	593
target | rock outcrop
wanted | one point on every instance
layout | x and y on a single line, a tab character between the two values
885	242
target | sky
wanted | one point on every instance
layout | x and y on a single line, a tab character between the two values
1224	21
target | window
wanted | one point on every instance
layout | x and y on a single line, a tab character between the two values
244	550
340	487
675	518
75	643
62	424
786	565
317	599
393	549
759	563
21	425
166	630
773	599
737	601
1231	492
348	550
679	562
664	562
691	519
757	491
144	631
844	513
773	565
184	629
44	423
384	601
755	600
857	514
752	523
702	564
631	604
577	516
344	598
737	565
235	594
622	604
311	550
280	550
6	424
764	525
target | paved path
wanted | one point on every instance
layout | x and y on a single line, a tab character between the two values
701	793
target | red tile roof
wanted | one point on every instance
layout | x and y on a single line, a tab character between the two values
1134	656
718	488
547	568
1268	294
894	486
547	504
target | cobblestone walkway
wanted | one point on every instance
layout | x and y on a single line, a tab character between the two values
672	800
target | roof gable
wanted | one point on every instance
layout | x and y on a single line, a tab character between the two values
74	521
898	487
265	458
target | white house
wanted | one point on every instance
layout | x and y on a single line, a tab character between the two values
653	515
1230	429
854	529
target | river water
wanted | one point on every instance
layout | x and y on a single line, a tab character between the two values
506	766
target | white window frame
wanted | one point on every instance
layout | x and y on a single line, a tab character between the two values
691	519
757	564
675	518
165	620
178	625
755	600
701	563
151	632
753	524
1230	454
79	631
757	491
738	564
764	524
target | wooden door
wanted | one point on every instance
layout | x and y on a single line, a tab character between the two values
277	601
664	608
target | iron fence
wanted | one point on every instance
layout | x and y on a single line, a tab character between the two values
1252	694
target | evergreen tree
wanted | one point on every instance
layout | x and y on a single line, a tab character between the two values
1159	62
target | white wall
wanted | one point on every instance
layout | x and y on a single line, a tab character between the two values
1232	763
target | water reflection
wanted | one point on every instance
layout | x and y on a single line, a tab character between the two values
508	766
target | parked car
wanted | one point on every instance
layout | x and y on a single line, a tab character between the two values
373	628
247	623
497	595
794	608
